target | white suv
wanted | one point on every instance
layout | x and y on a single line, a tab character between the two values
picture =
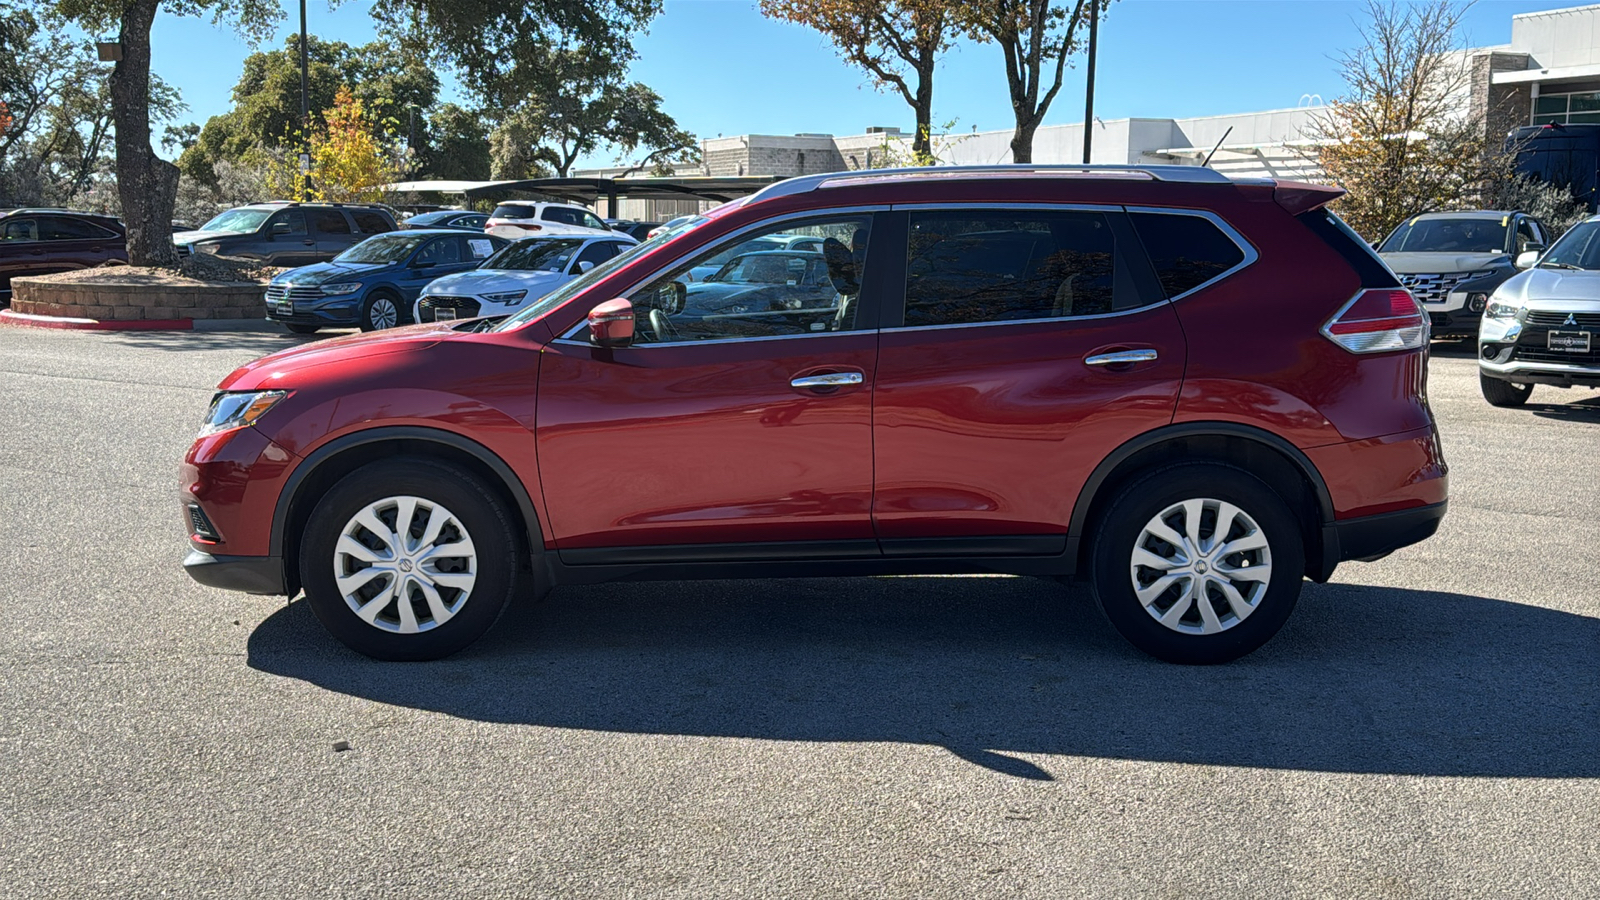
1541	325
515	221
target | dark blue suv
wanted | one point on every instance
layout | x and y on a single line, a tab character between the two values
373	284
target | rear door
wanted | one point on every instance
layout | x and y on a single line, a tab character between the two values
332	232
1028	344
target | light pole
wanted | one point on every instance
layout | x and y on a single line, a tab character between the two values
305	97
1088	101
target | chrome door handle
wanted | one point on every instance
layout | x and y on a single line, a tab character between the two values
832	379
1121	357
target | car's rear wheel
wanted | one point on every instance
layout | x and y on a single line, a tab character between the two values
1197	563
302	329
380	310
409	560
1503	393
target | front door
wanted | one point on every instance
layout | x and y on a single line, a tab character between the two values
1031	343
746	426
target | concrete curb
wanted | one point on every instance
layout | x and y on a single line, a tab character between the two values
31	320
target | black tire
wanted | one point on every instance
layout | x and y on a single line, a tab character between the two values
302	329
1120	529
1503	393
381	310
482	514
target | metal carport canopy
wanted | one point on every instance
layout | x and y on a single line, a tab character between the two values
589	190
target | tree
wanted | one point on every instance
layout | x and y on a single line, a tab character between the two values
572	104
886	38
146	184
1035	36
1402	140
266	98
347	161
455	145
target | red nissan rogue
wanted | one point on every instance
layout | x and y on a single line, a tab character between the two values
1190	391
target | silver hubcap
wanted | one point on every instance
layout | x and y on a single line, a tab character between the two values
405	565
384	315
1201	566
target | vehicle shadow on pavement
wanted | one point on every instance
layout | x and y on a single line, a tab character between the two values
1363	679
1585	410
264	342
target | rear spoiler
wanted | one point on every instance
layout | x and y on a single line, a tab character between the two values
1298	197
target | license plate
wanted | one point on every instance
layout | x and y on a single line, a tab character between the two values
440	315
1569	341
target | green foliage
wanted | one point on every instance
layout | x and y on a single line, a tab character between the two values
1551	204
454	146
587	106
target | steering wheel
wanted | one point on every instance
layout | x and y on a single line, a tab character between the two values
661	326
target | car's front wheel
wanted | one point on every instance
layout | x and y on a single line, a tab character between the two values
1503	393
409	560
380	310
1197	563
302	329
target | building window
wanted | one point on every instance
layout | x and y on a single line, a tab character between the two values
1562	109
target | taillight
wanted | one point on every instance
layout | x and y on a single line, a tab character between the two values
1379	321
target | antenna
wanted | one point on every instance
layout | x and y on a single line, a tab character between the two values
1217	147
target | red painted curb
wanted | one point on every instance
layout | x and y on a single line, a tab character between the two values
10	317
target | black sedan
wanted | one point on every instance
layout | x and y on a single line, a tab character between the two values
458	219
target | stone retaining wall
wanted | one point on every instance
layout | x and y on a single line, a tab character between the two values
156	300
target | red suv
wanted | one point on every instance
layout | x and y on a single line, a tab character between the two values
1193	392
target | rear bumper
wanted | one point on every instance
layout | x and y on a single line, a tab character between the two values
251	574
1374	537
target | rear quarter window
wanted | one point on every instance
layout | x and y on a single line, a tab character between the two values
1186	250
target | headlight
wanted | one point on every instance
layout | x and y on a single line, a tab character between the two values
511	298
1499	309
346	288
212	248
231	410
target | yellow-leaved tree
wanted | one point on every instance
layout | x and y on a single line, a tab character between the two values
347	163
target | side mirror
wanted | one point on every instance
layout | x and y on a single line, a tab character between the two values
611	324
585	266
1533	246
1527	259
281	228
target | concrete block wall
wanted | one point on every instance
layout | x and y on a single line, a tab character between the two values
163	302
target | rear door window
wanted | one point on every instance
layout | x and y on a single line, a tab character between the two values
371	222
590	220
331	221
561	215
1187	250
966	267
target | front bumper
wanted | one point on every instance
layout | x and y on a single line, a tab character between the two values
1374	537
251	574
1515	351
343	313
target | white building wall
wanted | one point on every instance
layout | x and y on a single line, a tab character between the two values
1560	37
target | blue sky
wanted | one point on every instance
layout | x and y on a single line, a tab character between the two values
722	68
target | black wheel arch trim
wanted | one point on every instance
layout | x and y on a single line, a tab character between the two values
1329	534
309	464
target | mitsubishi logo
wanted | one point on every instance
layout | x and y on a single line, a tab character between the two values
1572	319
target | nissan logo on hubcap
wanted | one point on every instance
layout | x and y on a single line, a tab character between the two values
405	565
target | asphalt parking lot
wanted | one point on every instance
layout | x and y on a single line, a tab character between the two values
1426	726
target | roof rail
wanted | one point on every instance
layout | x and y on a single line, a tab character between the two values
806	183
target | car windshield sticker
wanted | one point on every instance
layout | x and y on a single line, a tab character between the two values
481	247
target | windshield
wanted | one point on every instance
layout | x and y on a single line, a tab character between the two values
1577	249
577	285
540	254
238	221
1448	236
385	248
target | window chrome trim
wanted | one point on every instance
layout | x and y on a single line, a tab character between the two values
569	336
739	340
1057	319
1247	248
